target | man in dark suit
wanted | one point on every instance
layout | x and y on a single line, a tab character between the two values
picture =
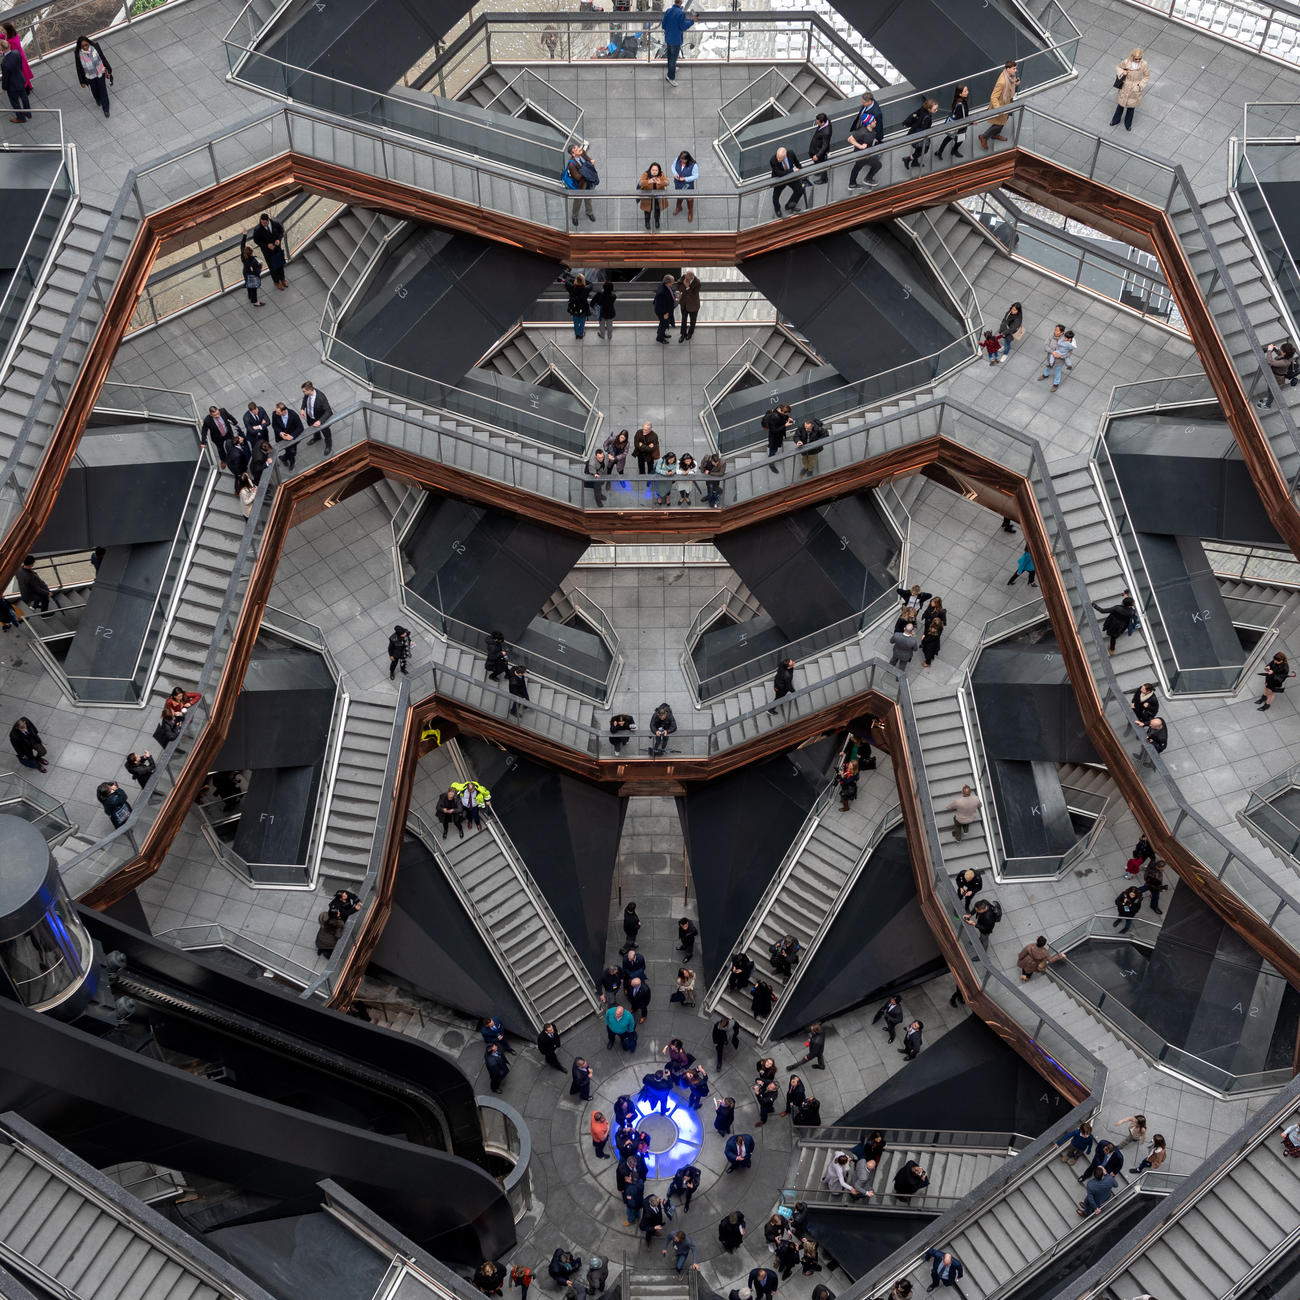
219	425
257	423
665	302
739	1152
286	425
762	1283
785	164
238	454
268	235
316	409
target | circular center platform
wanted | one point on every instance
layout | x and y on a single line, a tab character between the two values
674	1137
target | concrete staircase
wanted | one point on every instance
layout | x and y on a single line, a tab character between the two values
491	89
642	1284
1246	1214
62	321
971	245
1263	322
945	754
505	902
558	714
76	1242
1016	1230
805	894
954	1170
343	252
355	815
518	357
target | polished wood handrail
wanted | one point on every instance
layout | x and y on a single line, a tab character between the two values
1035	177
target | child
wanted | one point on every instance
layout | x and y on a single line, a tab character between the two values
992	344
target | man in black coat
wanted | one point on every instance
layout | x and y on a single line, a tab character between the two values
638	996
220	426
657	1088
238	454
784	164
911	1047
809	433
762	1283
819	146
816	1046
867	131
286	425
621	726
783	682
316	410
32	587
14	84
892	1014
268	235
665	304
775	422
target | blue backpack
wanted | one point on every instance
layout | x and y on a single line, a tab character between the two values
569	182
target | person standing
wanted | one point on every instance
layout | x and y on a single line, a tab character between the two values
930	641
1059	347
28	746
686	171
904	644
1116	621
739	1152
809	433
721	1031
548	1043
819	146
517	683
268	235
1145	703
645	447
497	1065
1276	675
112	799
783	164
579	304
14	84
599	467
600	1135
866	133
93	69
652	183
945	1268
675	22
847	780
619	1022
495	662
14	42
776	421
1004	91
316	411
1099	1190
286	425
1012	329
399	651
959	111
1157	1153
580	1079
1128	903
683	1246
604	302
969	883
32	587
449	813
783	682
580	175
965	809
1024	565
251	270
1157	737
1136	1130
731	1231
984	916
686	936
911	1047
665	303
140	767
688	299
1131	77
257	423
892	1014
1153	882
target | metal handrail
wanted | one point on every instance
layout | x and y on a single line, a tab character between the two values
528	886
1128	549
194	938
1238	1148
774	886
885	823
485	22
418	827
1202	19
1169	1057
